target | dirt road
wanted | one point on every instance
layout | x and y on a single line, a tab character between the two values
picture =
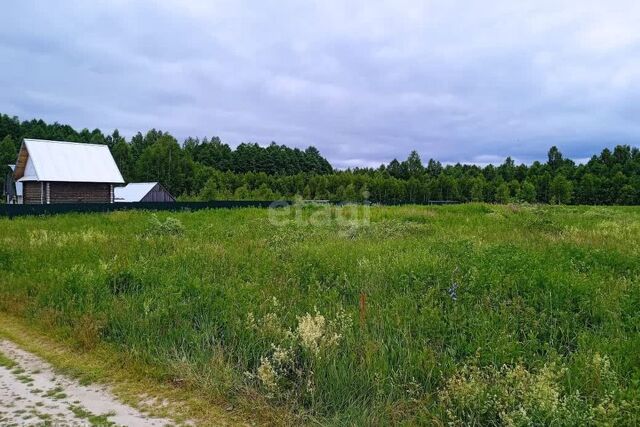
32	393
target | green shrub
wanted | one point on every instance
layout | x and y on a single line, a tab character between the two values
517	396
169	227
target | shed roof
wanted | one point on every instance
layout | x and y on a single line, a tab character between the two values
133	192
64	161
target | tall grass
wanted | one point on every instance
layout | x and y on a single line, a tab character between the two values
474	314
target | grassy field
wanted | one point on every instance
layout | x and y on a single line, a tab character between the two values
470	314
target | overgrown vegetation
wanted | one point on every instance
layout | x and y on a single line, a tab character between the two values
469	314
169	227
208	169
6	362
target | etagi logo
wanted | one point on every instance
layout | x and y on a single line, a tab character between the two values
320	213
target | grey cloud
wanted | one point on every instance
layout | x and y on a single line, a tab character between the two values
364	82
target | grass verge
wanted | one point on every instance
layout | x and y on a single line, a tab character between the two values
131	382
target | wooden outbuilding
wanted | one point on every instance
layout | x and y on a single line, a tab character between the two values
12	189
142	192
66	172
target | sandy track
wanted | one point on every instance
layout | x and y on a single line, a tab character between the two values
31	393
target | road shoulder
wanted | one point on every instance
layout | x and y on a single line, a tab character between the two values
132	384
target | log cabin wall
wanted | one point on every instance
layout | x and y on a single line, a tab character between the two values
67	192
79	192
32	194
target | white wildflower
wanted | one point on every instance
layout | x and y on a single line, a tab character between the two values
282	356
310	331
333	340
251	321
267	374
311	388
341	324
271	323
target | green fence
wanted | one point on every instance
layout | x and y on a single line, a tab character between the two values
22	210
61	208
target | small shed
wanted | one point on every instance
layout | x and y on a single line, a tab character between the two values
142	192
66	172
12	189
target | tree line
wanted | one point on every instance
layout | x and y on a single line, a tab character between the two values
208	169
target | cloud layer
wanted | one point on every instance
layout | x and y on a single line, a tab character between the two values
364	81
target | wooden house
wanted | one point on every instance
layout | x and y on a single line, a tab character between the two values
66	172
142	192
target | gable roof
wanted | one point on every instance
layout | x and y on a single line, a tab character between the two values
42	160
133	192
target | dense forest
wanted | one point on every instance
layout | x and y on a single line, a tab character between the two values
207	169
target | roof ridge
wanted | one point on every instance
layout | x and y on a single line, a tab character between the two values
66	142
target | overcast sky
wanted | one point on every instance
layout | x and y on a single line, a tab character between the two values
363	81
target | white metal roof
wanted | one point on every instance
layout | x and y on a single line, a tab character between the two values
133	192
69	162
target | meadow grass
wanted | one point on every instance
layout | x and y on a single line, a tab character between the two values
469	314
